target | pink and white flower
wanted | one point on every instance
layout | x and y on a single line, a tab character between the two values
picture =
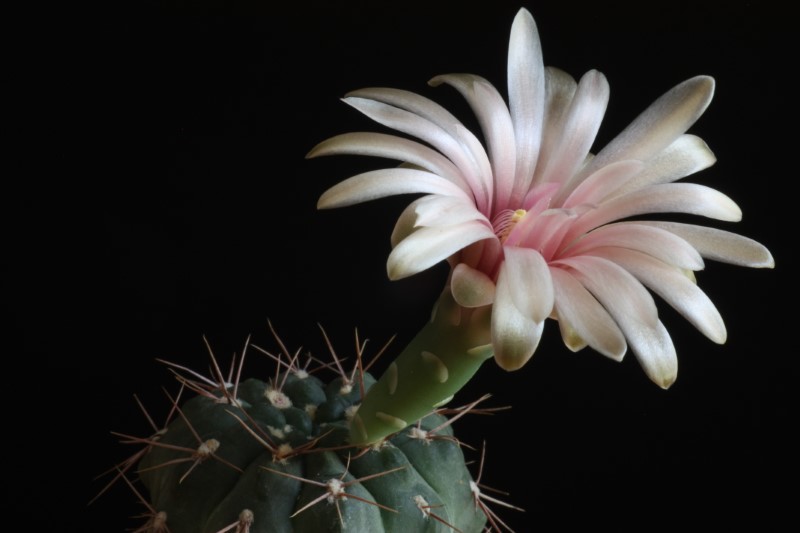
536	225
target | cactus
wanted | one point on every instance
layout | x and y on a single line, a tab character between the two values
273	456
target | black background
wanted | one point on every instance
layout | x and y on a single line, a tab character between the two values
165	196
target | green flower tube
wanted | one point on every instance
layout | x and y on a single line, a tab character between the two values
438	362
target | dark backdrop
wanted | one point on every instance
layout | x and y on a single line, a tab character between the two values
167	197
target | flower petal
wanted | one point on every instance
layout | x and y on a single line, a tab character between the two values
526	76
386	182
604	181
471	287
529	281
447	142
620	293
656	354
579	128
407	221
634	311
720	245
408	101
541	232
661	244
675	288
688	198
428	246
581	315
391	147
438	210
514	335
498	130
559	91
687	155
660	124
475	165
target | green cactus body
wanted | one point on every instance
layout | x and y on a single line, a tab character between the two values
280	461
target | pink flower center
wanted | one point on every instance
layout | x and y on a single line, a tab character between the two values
505	221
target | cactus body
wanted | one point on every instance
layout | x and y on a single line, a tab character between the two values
280	461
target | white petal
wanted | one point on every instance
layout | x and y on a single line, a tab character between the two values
620	293
495	121
559	90
634	311
514	336
688	198
484	196
660	124
720	245
687	155
579	313
407	221
391	147
386	182
656	354
662	244
471	287
529	281
526	76
475	165
437	210
409	101
603	182
580	127
421	127
675	288
427	246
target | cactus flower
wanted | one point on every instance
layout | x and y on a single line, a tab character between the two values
535	225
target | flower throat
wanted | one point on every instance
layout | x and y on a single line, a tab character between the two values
505	222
